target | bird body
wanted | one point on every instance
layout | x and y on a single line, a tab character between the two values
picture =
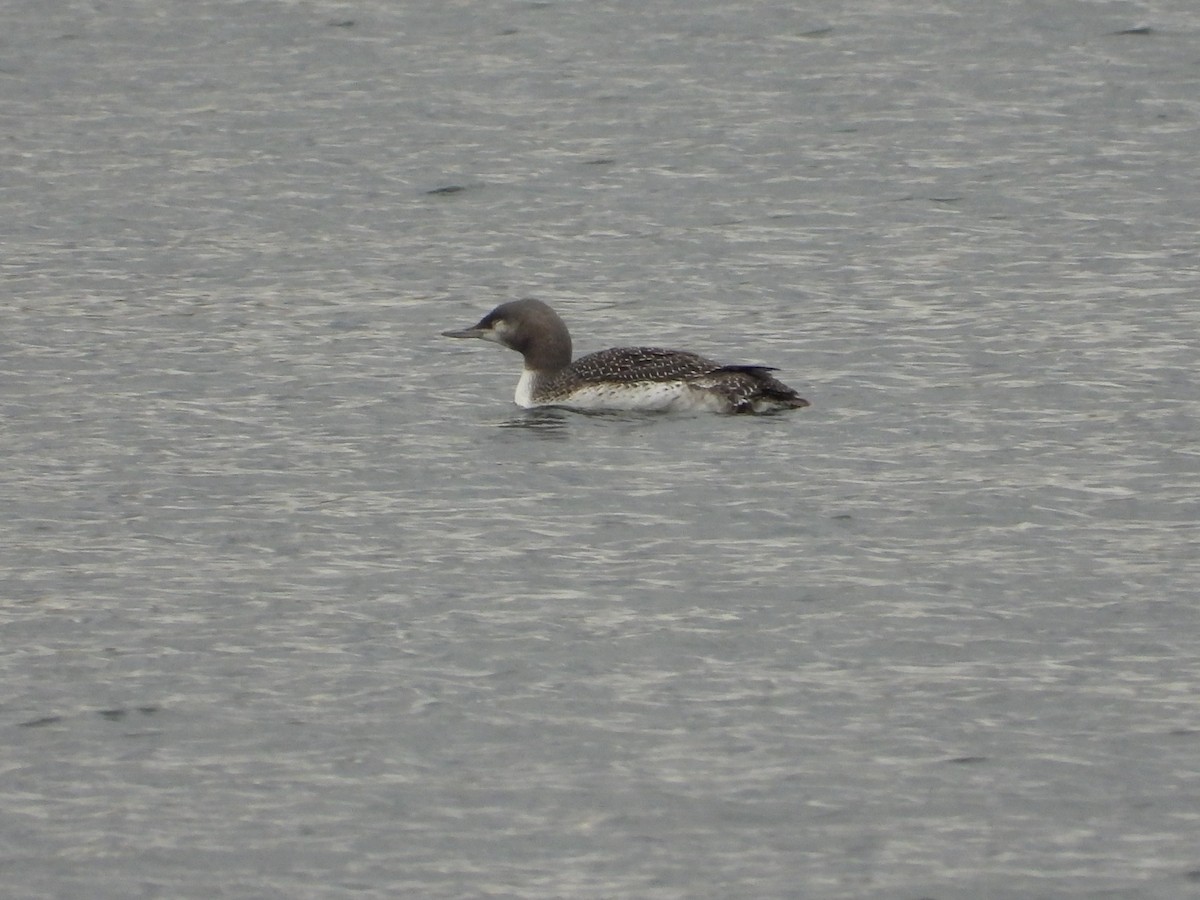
623	378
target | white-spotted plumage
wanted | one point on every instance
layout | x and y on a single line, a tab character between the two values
624	378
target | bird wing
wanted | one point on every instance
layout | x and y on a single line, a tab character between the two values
632	364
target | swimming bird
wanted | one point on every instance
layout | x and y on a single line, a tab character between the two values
623	378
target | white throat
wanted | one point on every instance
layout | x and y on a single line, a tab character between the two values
524	395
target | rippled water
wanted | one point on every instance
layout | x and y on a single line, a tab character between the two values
297	604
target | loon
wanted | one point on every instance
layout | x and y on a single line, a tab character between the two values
624	378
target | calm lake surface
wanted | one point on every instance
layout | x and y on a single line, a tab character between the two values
297	604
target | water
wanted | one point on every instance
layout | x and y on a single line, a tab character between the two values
297	604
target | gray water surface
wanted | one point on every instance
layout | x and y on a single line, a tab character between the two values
297	604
